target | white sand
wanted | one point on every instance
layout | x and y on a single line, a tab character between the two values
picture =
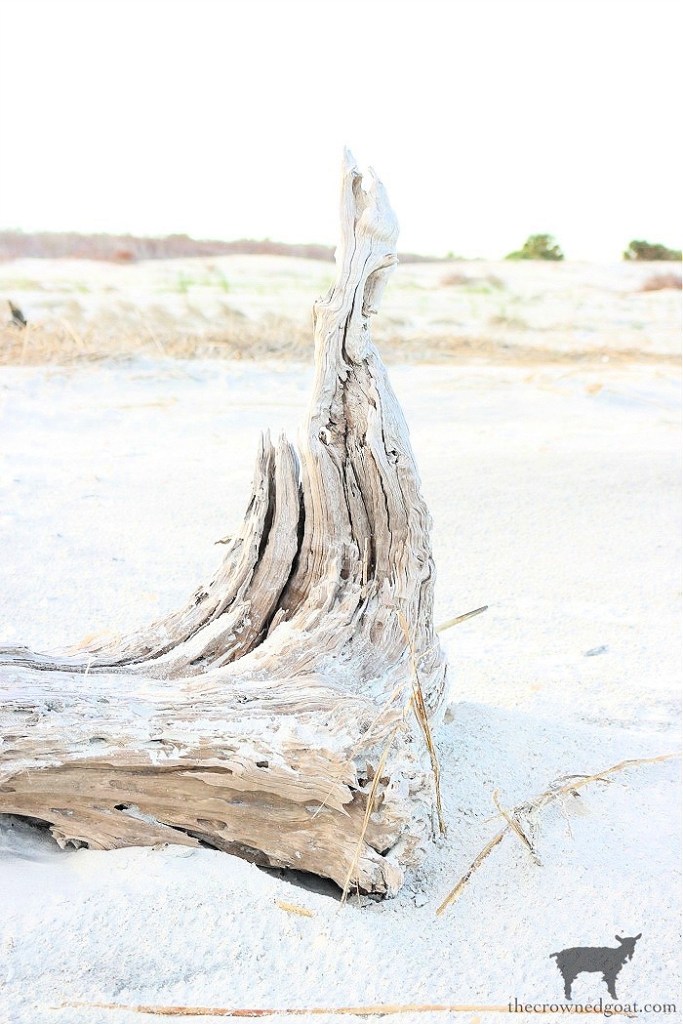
554	494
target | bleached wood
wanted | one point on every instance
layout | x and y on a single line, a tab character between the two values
254	717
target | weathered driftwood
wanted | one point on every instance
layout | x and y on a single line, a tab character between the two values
254	718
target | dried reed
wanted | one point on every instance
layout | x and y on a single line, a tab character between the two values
461	618
368	811
373	1010
420	709
552	793
294	908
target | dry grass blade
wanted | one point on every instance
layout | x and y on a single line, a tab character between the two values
366	563
420	709
368	811
542	800
478	860
554	791
75	337
373	725
515	826
461	618
294	908
154	338
373	1010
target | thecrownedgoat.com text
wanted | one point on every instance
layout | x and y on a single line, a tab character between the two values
599	1007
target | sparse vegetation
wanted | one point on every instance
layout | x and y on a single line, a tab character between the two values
213	278
538	247
237	337
660	282
485	284
455	280
504	319
649	251
461	312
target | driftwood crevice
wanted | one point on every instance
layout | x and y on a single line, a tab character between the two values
254	718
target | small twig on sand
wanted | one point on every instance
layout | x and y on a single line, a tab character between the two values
461	618
571	783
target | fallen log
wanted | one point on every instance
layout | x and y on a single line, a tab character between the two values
255	719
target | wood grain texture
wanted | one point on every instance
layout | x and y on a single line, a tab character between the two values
254	718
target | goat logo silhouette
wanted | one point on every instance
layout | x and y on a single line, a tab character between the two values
605	960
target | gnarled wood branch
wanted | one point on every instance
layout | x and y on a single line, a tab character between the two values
254	718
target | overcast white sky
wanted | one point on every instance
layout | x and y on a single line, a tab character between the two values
487	119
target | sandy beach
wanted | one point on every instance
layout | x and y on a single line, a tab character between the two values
554	486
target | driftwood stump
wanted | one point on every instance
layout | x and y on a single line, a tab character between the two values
256	718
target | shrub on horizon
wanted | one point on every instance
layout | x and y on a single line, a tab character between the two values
639	250
661	282
538	247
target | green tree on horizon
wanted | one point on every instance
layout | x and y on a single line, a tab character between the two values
538	247
641	251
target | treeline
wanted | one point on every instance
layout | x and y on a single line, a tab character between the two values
130	248
544	247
